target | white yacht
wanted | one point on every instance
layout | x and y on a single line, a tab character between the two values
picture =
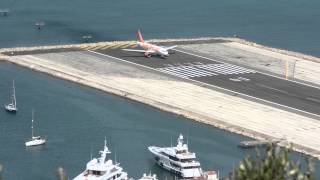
149	177
35	140
12	107
102	168
177	159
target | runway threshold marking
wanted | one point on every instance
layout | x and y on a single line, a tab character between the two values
210	85
192	70
301	83
187	71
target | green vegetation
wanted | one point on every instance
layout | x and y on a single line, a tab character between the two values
274	164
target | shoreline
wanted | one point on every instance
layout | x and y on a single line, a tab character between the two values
201	118
170	109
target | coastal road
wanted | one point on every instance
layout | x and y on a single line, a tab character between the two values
288	94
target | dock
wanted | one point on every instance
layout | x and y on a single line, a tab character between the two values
256	143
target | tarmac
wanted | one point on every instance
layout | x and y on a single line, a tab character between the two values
236	79
280	63
232	97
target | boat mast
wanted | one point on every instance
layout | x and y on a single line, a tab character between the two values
32	124
14	102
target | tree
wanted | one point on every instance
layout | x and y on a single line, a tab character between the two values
273	165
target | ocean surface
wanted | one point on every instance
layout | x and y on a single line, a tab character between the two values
76	119
286	24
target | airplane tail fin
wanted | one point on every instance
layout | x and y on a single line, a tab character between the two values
140	36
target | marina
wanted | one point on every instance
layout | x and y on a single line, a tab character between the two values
105	115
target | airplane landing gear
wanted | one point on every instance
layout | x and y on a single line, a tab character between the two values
147	55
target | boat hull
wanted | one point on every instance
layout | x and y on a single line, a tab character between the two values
10	108
35	142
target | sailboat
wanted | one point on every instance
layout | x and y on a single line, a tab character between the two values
35	140
12	107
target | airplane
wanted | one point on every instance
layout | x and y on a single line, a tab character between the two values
151	49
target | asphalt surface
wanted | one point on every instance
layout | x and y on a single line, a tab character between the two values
231	77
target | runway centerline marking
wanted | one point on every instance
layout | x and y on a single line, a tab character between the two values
274	89
313	99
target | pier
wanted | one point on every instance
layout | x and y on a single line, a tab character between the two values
193	94
256	143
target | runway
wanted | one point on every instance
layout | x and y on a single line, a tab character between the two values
292	95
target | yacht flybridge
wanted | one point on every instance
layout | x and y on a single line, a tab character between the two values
102	168
12	107
177	159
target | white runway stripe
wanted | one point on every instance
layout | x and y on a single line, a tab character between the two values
225	69
186	71
194	71
182	71
172	73
190	71
204	70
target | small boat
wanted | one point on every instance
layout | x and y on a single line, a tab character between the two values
208	175
177	159
35	140
103	168
12	107
149	177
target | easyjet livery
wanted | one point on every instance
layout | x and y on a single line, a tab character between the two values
150	49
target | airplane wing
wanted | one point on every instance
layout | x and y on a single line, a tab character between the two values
170	47
135	50
138	50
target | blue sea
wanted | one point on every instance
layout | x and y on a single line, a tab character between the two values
286	24
75	119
